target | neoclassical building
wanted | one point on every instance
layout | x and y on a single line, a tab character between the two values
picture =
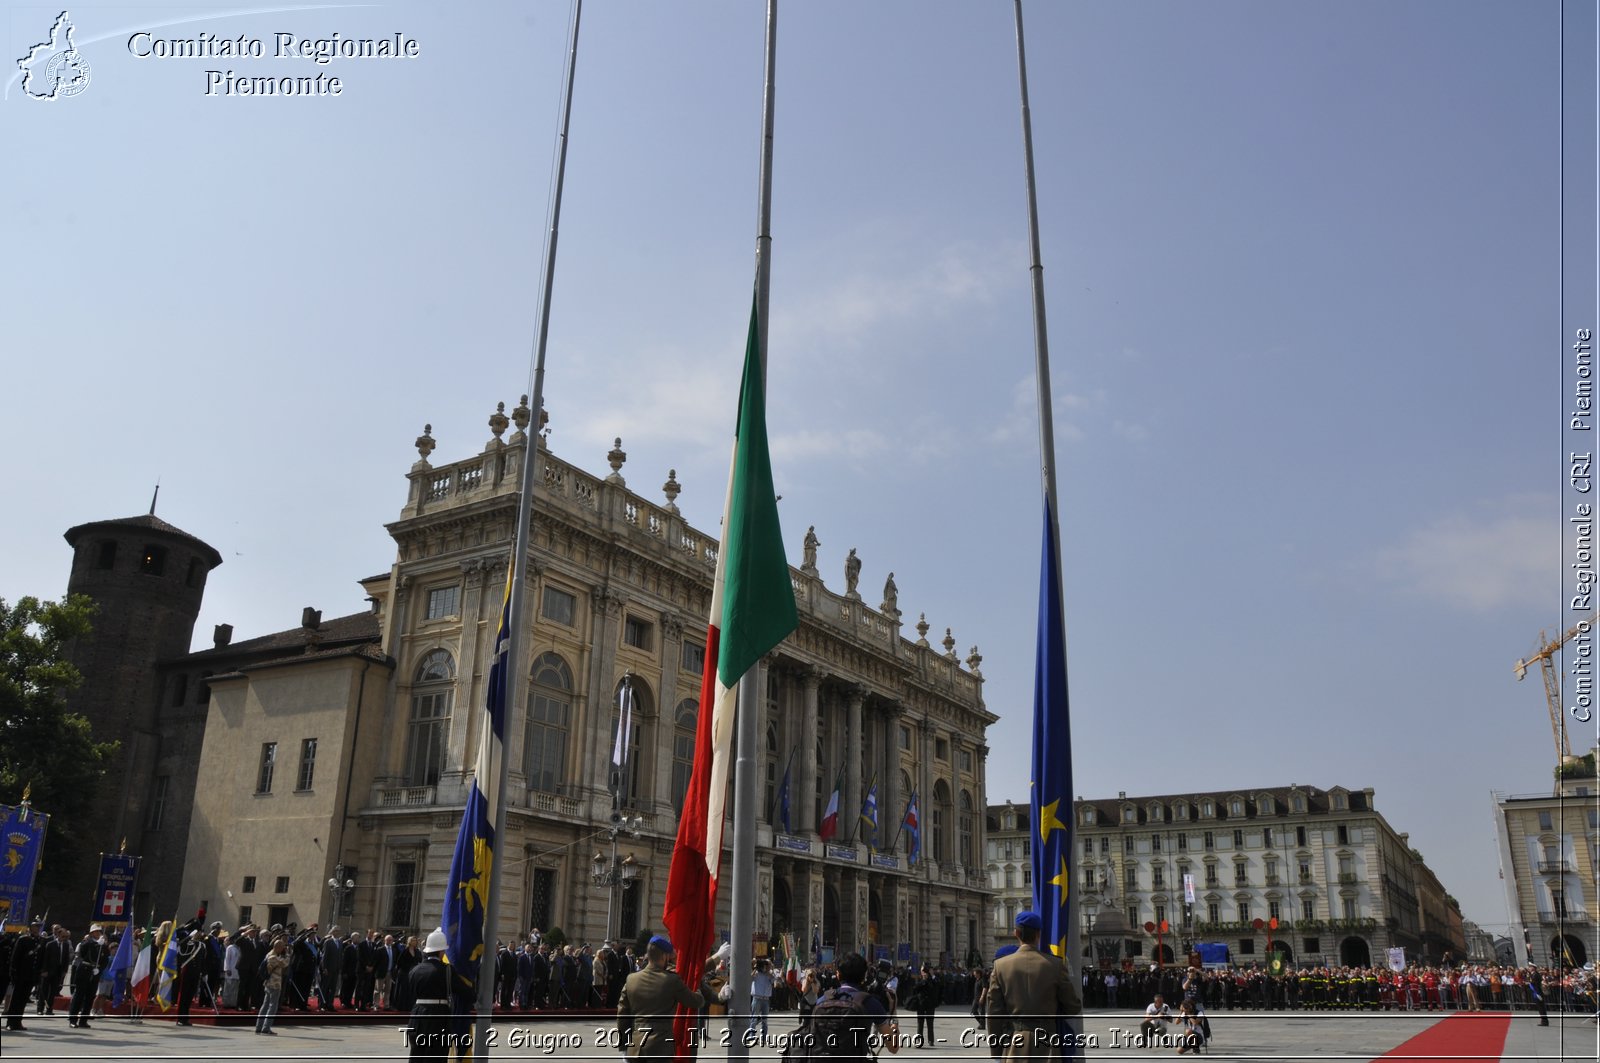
618	586
1550	863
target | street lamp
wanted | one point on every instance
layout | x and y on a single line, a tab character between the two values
617	875
340	884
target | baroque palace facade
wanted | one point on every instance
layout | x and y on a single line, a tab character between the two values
617	587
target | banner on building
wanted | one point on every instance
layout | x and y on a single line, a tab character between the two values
1188	889
113	897
1397	959
21	851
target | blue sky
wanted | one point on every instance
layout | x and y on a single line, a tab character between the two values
1302	271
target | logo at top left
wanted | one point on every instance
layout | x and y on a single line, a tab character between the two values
54	69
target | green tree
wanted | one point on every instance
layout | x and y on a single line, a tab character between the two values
43	746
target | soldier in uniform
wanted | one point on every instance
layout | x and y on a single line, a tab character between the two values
87	963
428	985
1025	988
648	1002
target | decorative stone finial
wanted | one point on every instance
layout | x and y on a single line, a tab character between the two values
671	489
498	420
973	660
949	644
520	417
616	456
425	443
922	629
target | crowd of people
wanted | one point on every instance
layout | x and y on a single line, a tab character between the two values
1416	988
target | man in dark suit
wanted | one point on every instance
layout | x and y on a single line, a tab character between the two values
350	969
383	957
55	957
541	976
24	974
1027	991
649	1000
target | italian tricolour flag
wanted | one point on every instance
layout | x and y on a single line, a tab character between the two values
752	610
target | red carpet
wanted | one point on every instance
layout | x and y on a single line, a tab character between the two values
1464	1036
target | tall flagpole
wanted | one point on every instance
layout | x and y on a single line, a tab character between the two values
752	698
1041	344
516	681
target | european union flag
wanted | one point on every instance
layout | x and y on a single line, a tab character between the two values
468	892
1052	757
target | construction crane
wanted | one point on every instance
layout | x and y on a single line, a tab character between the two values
1552	683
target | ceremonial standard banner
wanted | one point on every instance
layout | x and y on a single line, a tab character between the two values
23	847
1397	959
113	898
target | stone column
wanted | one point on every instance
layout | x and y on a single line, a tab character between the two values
468	703
666	715
810	681
863	908
850	800
812	905
892	810
955	800
925	786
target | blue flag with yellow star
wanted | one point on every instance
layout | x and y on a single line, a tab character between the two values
1052	758
468	890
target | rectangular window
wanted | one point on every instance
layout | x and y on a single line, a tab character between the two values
1127	844
560	607
1545	822
180	690
905	738
195	572
1088	847
1239	875
636	633
1210	840
1183	843
282	885
1105	844
1300	836
1266	837
966	760
1350	908
269	757
202	691
158	803
308	765
1155	843
277	914
1247	946
153	562
1313	945
401	901
1308	910
1344	834
249	885
1130	876
1133	915
941	749
1161	913
1274	910
1211	874
1158	877
1214	912
1238	839
541	905
1088	882
693	658
108	556
245	911
1305	872
443	602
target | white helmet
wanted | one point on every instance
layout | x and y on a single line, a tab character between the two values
437	942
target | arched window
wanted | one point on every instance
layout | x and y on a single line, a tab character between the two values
684	717
964	829
433	688
544	750
939	820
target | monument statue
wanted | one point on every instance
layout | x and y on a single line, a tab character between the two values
891	596
808	561
852	573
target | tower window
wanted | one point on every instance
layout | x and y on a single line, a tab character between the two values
153	562
108	556
196	573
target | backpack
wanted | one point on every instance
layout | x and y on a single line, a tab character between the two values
839	1025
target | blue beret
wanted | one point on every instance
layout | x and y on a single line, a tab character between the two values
662	943
1003	951
1029	921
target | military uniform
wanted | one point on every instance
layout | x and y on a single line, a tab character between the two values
649	999
429	986
1026	988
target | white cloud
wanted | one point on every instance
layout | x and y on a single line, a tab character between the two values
1482	561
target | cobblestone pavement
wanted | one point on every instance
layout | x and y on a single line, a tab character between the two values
1278	1036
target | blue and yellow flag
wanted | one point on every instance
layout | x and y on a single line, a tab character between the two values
1052	757
869	816
167	972
22	833
468	891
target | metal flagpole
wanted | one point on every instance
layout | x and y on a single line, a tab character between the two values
516	680
752	696
1041	345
